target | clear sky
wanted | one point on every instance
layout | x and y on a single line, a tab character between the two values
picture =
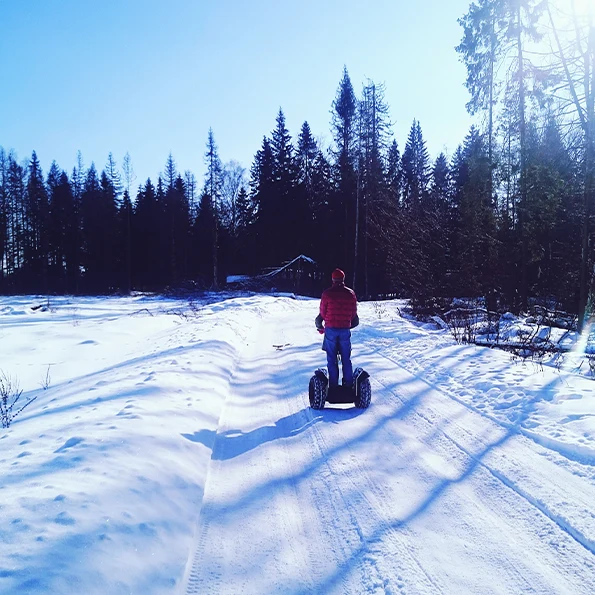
151	76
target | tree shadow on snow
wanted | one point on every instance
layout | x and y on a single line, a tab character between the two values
431	499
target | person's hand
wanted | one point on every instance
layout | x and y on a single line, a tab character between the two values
321	331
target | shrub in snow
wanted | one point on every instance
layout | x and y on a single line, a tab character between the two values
46	380
10	393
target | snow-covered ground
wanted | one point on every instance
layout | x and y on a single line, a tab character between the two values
173	451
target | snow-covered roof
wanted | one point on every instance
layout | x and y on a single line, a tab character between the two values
301	257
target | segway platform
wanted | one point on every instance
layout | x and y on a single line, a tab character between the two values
320	392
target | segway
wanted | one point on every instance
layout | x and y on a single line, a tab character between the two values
360	394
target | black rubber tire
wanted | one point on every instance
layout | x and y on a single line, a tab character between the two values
364	394
317	393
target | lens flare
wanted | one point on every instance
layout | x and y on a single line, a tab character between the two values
584	8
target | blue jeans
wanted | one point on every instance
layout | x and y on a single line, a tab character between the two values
338	340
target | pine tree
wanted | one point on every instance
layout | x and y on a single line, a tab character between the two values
307	150
213	189
191	189
245	248
485	39
146	230
125	241
474	241
438	218
374	132
550	182
574	63
171	172
64	237
36	242
263	197
323	191
114	178
290	205
342	208
203	238
175	225
3	214
92	231
129	175
496	34
15	189
79	174
393	174
415	170
98	209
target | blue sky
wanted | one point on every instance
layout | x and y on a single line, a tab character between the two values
151	76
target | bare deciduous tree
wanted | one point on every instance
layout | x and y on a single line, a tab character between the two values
233	180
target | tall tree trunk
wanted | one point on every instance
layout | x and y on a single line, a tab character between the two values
215	245
523	173
357	201
589	174
493	43
586	118
128	251
371	190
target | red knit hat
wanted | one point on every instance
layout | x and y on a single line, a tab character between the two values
338	275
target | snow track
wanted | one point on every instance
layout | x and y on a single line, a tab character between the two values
418	494
175	451
523	452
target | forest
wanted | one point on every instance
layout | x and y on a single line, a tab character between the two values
507	217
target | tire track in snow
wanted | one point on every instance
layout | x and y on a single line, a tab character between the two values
191	583
389	550
373	515
386	547
573	532
354	542
247	454
575	453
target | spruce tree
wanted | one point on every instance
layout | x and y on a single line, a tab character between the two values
203	239
573	64
307	149
342	208
35	255
15	186
474	242
393	174
262	193
374	142
415	170
245	248
290	206
124	242
438	217
146	230
64	236
3	214
213	190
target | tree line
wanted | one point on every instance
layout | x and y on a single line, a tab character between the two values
508	216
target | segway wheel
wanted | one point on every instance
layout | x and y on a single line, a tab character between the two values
317	392
364	394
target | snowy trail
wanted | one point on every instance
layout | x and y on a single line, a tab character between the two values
174	451
546	486
418	494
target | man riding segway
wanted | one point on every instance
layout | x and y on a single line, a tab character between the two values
338	312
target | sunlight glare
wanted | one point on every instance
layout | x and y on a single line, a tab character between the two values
576	355
584	8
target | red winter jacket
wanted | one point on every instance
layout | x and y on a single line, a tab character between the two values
338	306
